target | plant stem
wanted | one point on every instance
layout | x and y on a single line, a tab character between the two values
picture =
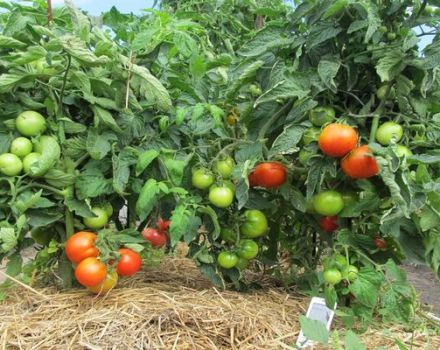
49	13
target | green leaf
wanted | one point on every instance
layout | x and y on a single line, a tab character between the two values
287	141
79	207
242	73
41	217
321	33
77	49
145	160
156	91
334	8
366	287
214	218
390	65
91	183
352	341
314	330
266	40
121	168
294	85
103	116
8	239
59	178
175	167
98	145
10	43
432	244
14	265
80	21
149	195
180	221
327	70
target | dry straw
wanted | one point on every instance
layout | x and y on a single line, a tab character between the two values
168	307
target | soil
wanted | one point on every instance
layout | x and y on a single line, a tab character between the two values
426	285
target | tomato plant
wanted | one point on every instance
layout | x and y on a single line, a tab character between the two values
268	175
30	123
202	179
10	164
224	167
255	224
21	146
221	196
98	221
247	249
388	131
328	203
80	246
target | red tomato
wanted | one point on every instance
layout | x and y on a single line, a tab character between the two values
253	181
81	245
380	243
163	225
156	237
359	163
90	272
269	175
336	140
129	263
329	223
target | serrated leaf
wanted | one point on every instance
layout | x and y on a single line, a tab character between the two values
79	207
121	168
287	141
148	197
104	117
145	160
390	65
314	330
77	49
8	239
327	70
291	86
80	21
352	341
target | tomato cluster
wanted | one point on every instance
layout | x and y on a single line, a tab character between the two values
242	246
91	271
158	237
26	151
337	268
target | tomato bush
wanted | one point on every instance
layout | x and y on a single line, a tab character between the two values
296	96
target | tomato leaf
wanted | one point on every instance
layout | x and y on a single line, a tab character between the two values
314	330
352	341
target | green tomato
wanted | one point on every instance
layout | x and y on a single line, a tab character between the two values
255	90
227	260
10	164
21	147
332	276
340	261
224	167
221	196
351	273
228	235
304	156
241	263
391	36
311	135
403	151
255	224
97	222
322	115
328	203
349	198
30	159
381	92
108	209
383	29
202	179
30	123
247	249
387	131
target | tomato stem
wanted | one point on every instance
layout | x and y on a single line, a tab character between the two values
378	112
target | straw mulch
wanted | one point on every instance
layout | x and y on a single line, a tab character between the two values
167	307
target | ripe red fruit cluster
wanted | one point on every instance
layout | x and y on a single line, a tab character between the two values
268	175
339	140
158	237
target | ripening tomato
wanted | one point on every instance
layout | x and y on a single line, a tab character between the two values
252	178
360	163
163	225
388	131
227	260
332	276
202	179
157	238
329	223
270	174
255	224
380	243
328	203
336	140
129	263
80	246
105	286
90	272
